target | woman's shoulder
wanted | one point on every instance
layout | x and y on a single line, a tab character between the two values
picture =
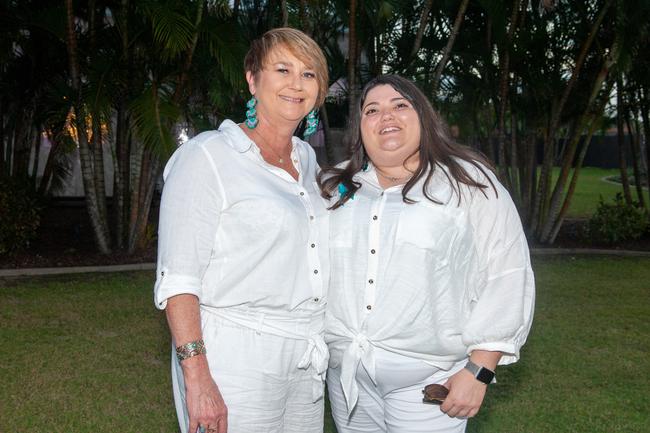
204	148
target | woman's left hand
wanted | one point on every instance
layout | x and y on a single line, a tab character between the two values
465	395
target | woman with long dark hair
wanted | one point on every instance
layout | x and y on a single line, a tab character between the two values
431	279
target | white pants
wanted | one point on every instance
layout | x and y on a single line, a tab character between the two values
394	404
259	379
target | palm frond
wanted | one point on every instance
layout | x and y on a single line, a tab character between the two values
172	30
153	115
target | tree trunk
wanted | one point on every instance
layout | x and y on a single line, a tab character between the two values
635	150
101	238
529	179
352	61
49	165
574	181
450	43
180	86
645	108
569	155
141	207
3	144
504	85
285	13
23	139
514	161
304	20
37	154
424	20
622	158
542	195
98	171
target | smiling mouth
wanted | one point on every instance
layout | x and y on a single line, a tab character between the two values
389	129
292	100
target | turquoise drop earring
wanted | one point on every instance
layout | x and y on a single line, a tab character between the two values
312	124
251	113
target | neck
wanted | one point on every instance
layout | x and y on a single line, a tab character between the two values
278	135
390	175
405	168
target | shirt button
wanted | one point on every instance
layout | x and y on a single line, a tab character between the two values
313	245
162	274
315	299
371	281
368	307
372	251
315	271
302	193
311	217
374	217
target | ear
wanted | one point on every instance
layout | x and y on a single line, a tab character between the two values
250	79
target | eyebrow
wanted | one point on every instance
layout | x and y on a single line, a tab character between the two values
399	98
288	63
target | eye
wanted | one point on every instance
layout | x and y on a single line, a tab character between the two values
282	70
310	75
401	105
370	111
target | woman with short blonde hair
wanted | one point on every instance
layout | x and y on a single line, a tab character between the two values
243	255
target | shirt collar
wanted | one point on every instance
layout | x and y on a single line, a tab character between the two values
239	141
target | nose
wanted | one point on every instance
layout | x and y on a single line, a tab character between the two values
296	81
387	115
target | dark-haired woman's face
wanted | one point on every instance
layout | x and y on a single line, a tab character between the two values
390	126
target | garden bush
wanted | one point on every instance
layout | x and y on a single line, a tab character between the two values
19	214
616	222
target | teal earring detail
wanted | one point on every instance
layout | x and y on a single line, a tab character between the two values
312	124
251	113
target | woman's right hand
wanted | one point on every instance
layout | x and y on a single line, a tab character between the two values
205	404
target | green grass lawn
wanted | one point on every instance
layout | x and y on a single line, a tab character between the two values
90	353
589	189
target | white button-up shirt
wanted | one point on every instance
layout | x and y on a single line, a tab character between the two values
430	281
236	231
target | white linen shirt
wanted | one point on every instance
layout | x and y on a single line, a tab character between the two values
430	281
236	231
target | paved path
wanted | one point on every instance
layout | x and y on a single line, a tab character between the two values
151	266
76	270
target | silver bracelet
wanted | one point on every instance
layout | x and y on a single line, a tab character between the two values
190	349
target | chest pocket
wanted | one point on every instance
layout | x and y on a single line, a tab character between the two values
429	226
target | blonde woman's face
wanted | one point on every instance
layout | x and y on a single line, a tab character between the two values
390	126
286	89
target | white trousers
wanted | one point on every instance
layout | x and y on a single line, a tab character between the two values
394	404
259	379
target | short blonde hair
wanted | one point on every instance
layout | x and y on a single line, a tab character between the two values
300	45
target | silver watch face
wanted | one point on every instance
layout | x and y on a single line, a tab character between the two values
480	373
485	375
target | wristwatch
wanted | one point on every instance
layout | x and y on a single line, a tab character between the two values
482	374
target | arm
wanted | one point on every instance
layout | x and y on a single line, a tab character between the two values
189	217
503	304
204	402
466	393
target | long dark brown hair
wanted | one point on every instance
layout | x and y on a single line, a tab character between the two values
437	150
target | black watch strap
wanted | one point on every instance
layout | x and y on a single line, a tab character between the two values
481	374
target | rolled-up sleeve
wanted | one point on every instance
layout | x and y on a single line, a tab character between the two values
190	209
503	304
